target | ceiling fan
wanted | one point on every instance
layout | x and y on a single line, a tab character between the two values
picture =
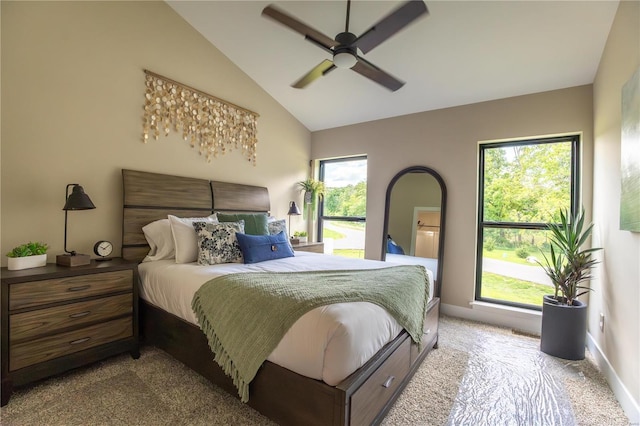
344	48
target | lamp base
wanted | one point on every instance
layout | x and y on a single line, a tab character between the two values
76	260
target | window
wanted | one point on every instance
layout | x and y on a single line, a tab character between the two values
523	186
342	213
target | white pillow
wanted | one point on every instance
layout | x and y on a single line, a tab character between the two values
160	239
185	238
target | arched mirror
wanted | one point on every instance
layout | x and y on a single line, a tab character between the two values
414	220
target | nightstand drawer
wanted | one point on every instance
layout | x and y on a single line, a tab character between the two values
35	351
46	321
37	293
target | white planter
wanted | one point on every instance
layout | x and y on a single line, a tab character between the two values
17	263
302	239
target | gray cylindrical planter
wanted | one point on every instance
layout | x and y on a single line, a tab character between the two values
564	329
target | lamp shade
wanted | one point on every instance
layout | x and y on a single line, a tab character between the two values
78	200
293	209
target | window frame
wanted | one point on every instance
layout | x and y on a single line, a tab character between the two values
321	176
575	140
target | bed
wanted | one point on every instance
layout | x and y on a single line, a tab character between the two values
287	397
429	263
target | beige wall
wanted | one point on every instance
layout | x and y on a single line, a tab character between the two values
617	283
72	97
447	141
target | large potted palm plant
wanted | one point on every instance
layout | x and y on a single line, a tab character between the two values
564	317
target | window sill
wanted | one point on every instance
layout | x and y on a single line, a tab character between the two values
526	320
504	316
506	310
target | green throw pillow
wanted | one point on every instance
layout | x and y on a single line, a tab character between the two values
254	223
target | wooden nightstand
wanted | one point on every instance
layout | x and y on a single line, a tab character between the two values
57	318
312	247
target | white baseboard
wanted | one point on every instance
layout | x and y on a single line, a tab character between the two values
629	405
504	316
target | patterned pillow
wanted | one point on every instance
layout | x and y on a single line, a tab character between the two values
217	242
277	226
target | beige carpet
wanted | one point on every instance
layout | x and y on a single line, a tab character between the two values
157	390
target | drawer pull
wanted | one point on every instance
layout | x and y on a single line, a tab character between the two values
77	342
428	331
388	382
79	288
80	314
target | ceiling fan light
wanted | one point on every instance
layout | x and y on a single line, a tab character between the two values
344	60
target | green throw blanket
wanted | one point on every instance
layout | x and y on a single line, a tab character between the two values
245	315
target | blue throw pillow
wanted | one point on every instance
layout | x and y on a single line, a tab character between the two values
258	248
392	247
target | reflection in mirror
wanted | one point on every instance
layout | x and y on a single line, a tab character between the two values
414	220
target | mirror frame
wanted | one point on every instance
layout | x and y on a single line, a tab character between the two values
443	211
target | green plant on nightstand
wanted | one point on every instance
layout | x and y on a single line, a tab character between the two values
28	249
28	255
301	236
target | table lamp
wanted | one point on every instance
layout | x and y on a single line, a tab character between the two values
77	200
293	210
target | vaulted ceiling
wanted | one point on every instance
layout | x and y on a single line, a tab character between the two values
462	52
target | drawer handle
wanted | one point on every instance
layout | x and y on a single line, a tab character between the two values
80	314
388	382
79	288
427	332
77	342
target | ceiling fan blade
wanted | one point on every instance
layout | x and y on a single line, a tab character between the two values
374	73
321	69
309	33
391	24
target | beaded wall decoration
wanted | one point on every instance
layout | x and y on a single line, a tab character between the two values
214	125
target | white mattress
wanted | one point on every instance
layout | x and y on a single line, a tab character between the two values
328	343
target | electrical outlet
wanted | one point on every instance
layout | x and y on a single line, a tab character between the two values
601	322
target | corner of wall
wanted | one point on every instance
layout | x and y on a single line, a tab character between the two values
630	406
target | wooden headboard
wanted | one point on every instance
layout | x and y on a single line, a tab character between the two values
152	196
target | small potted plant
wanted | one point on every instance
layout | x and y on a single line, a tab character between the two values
301	236
29	255
564	317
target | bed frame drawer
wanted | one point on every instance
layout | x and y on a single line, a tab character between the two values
42	322
36	293
374	394
430	334
36	351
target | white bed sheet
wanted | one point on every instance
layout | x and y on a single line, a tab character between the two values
403	259
328	343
